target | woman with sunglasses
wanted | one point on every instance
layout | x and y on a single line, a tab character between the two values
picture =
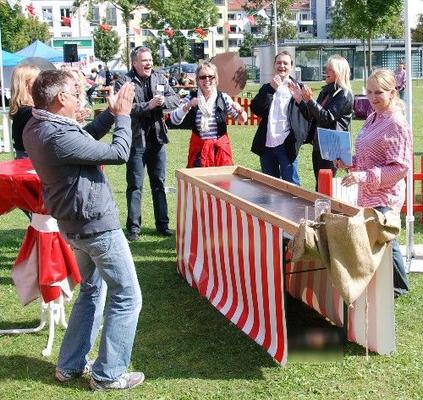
205	111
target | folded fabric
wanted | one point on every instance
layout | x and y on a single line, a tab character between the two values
351	248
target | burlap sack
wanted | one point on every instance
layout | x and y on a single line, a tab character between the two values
351	248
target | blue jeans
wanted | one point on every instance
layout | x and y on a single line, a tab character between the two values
401	285
106	267
153	156
274	162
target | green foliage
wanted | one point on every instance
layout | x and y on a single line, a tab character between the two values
285	29
366	20
247	45
126	7
106	44
196	14
19	31
417	32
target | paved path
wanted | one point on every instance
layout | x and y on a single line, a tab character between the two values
417	261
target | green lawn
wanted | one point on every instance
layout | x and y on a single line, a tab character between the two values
186	348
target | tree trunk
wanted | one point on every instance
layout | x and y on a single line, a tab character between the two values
365	64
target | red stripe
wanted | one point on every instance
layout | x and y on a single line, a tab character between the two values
220	221
265	284
244	314
279	294
254	330
194	239
178	224
213	250
184	223
231	266
323	291
204	277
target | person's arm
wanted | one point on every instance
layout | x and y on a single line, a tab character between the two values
235	109
76	147
397	147
340	107
178	115
171	99
261	103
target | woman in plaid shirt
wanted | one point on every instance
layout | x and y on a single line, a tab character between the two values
383	151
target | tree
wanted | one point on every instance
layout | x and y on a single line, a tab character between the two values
285	29
246	48
176	15
417	33
366	20
106	43
126	7
19	31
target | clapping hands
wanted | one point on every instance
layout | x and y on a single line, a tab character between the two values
121	102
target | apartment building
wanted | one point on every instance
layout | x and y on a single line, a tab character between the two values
311	17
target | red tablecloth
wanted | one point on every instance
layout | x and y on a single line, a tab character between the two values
43	247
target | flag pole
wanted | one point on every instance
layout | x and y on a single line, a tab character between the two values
3	97
275	19
408	96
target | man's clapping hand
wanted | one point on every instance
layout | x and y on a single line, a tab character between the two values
121	102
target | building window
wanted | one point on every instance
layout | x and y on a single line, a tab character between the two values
233	28
219	43
111	18
144	17
231	16
219	16
219	2
47	13
65	14
219	30
233	42
95	16
146	32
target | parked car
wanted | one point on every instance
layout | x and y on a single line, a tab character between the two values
188	68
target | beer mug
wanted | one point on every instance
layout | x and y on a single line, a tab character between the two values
321	206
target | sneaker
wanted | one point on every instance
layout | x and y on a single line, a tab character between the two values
64	376
133	236
125	381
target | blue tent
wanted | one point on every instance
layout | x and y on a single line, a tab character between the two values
9	59
39	49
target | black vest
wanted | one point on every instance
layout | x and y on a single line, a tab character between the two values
220	115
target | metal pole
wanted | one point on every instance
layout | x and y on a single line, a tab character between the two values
3	97
409	97
275	21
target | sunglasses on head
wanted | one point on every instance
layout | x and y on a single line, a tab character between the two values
204	77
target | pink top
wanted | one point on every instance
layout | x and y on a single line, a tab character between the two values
400	79
383	155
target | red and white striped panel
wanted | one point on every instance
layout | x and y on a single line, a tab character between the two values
235	261
314	288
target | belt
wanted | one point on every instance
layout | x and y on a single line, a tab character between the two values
78	236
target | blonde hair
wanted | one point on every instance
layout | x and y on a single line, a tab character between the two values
385	79
207	64
20	94
340	66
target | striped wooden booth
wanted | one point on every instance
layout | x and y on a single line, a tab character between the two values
232	229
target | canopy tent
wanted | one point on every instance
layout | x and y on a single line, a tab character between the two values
9	59
39	49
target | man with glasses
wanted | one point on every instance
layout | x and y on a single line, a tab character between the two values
153	96
68	160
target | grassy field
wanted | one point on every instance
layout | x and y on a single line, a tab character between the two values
186	348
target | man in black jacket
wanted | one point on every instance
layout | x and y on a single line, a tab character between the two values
153	95
283	128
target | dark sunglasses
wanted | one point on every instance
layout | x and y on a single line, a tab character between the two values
204	77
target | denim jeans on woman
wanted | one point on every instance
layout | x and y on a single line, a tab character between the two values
401	285
274	162
107	268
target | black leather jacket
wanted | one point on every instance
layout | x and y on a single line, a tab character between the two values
142	118
335	114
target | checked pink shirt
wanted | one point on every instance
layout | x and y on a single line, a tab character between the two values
383	156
